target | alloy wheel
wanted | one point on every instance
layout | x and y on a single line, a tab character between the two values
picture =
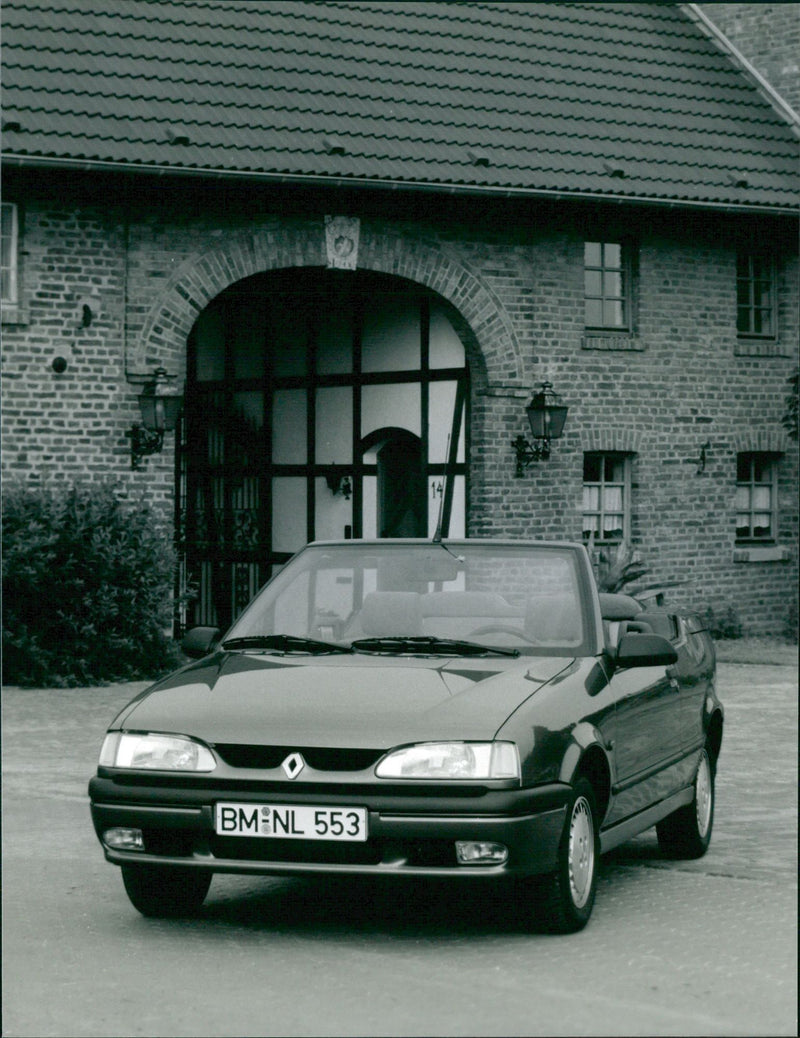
581	852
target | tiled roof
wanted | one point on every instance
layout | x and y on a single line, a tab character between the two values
588	99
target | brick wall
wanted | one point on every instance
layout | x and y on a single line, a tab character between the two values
768	35
145	266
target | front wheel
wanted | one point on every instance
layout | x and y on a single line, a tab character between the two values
566	896
686	833
163	892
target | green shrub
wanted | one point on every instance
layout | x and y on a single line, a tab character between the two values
722	624
87	587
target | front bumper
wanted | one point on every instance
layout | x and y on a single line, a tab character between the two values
412	835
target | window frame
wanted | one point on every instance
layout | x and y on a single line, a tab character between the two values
9	293
626	457
771	458
752	256
625	271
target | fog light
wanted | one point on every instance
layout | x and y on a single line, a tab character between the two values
124	839
478	852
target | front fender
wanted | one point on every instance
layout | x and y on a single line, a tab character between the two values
584	736
587	756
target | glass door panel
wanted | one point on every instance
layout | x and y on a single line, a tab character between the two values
289	496
390	335
446	349
440	422
458	512
369	502
247	342
288	335
335	342
248	407
209	354
333	513
396	405
334	425
289	407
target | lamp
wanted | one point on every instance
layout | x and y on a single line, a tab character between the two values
339	485
546	417
160	404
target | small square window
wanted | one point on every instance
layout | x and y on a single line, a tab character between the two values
8	254
755	296
606	497
756	497
607	285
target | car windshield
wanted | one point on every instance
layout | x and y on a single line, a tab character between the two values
405	597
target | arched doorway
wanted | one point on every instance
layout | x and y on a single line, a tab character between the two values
402	507
319	404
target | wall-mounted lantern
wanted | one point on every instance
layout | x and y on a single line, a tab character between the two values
160	404
546	416
339	485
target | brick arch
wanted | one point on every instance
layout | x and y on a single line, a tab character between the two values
610	438
491	345
772	441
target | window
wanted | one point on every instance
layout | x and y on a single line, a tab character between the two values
756	496
755	296
607	285
606	497
8	253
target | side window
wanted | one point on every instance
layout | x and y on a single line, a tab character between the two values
8	254
607	274
755	296
606	497
756	497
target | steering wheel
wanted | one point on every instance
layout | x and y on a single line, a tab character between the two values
517	632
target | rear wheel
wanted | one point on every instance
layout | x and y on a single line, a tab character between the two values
686	833
156	890
567	895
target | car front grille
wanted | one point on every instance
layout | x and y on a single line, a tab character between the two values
321	758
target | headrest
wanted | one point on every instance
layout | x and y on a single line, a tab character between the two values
552	618
391	612
465	603
618	607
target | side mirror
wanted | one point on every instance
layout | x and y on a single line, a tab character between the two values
200	641
645	650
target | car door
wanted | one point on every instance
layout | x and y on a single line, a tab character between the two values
695	674
648	739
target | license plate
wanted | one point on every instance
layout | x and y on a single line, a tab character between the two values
292	822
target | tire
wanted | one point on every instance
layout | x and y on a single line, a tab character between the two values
163	892
686	833
566	896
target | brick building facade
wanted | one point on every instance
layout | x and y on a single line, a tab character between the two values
768	36
674	435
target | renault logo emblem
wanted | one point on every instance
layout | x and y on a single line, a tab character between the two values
293	765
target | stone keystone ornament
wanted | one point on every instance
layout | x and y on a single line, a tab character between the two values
341	240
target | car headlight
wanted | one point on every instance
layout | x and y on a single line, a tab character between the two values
452	760
152	750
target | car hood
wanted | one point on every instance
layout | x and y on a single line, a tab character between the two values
359	701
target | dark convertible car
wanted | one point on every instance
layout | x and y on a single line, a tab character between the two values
472	710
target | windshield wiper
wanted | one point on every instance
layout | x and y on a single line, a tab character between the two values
426	644
284	643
